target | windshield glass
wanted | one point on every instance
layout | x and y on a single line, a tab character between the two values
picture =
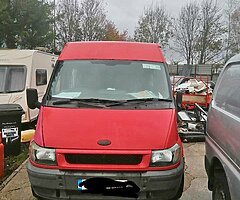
110	79
12	78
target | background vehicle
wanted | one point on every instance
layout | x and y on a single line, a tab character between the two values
107	126
22	69
222	158
192	90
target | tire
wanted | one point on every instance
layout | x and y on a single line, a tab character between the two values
220	187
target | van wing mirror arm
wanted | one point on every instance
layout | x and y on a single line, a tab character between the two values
38	104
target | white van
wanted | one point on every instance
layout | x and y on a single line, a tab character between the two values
22	69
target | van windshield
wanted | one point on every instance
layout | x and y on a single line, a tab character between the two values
12	78
110	80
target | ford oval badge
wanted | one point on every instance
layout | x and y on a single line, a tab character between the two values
104	142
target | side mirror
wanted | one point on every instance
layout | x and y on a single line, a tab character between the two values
32	99
179	100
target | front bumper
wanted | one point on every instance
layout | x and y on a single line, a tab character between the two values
58	184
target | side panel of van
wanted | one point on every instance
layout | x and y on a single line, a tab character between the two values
42	67
223	135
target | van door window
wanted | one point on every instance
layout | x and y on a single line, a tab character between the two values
228	94
12	78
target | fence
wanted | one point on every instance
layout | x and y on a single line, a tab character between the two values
205	72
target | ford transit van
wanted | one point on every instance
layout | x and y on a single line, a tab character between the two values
107	126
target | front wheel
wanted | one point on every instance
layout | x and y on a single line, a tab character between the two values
220	187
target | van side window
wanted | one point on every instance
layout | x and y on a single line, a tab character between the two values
228	94
41	77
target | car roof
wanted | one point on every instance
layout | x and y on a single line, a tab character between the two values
106	50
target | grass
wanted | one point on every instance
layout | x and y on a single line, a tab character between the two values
11	163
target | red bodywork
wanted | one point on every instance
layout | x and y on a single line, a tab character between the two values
112	51
77	131
135	132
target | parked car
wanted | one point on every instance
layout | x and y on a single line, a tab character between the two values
22	69
107	126
222	159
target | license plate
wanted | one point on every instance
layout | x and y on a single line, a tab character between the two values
9	132
79	181
80	188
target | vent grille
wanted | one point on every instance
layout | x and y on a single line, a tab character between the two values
104	159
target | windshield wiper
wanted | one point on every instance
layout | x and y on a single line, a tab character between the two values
106	103
88	101
139	101
149	99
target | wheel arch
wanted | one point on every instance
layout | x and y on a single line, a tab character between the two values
215	166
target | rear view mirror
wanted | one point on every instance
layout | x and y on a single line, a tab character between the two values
179	100
32	99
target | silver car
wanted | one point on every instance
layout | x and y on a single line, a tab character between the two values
222	160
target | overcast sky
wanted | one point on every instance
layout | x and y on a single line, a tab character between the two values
125	13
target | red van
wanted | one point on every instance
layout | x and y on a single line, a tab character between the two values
107	126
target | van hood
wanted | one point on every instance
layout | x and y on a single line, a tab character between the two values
67	128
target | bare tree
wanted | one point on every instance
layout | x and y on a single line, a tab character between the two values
210	37
93	20
236	31
153	26
232	12
186	30
199	32
85	21
68	21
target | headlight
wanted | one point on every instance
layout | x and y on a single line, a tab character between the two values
166	157
42	155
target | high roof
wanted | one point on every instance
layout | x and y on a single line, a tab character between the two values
105	50
235	58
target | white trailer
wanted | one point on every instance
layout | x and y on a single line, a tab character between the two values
22	69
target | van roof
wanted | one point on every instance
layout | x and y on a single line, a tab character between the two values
106	50
235	58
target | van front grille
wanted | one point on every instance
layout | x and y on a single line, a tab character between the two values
104	159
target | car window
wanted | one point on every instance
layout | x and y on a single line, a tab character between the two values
228	93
